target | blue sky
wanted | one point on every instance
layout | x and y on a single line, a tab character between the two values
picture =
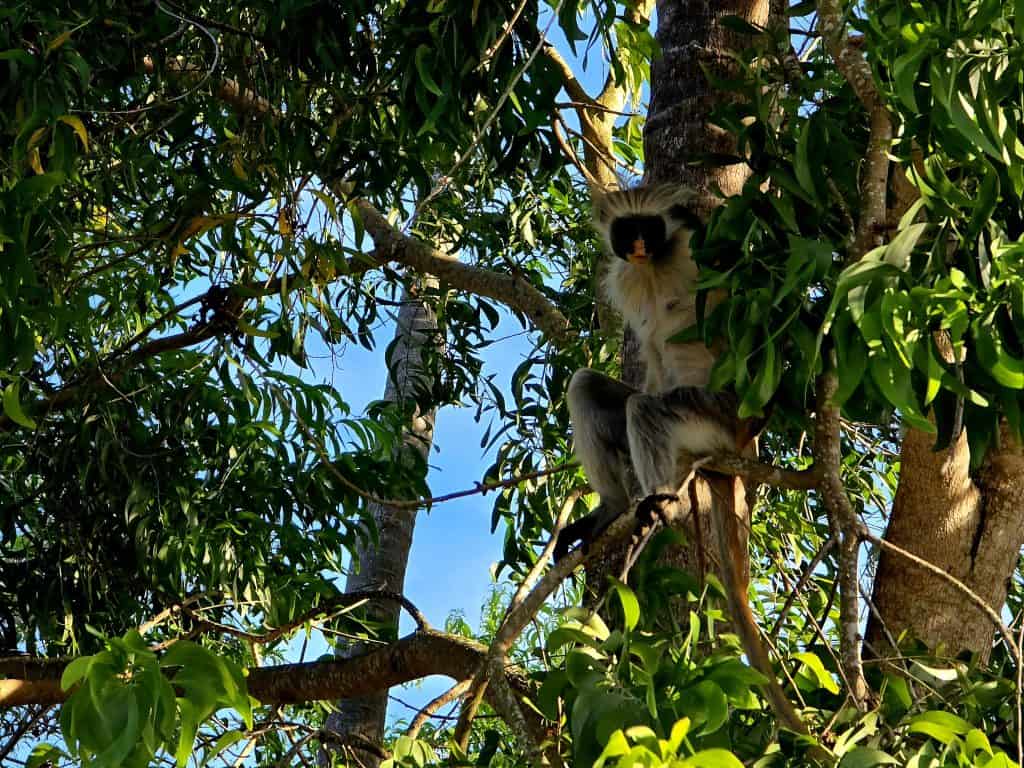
453	548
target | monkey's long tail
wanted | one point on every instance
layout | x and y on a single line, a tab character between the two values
726	493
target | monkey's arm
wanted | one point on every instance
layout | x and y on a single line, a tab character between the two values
654	378
585	530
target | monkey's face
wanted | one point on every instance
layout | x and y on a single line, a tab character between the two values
641	239
645	225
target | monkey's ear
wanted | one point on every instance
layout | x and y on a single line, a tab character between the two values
600	203
686	215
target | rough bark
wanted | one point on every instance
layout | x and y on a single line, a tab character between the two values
382	564
970	527
423	653
690	35
973	531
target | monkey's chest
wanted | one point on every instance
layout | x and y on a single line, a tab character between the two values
681	364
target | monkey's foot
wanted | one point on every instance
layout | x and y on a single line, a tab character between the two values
653	508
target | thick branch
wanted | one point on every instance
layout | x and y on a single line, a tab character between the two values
848	59
517	293
872	220
37	681
757	472
569	81
229	91
949	578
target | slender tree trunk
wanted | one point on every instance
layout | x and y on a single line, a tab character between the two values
383	565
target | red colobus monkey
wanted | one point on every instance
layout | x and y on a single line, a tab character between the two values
651	281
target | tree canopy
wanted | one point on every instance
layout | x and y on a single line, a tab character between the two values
197	199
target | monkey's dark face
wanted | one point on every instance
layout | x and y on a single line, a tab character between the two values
641	239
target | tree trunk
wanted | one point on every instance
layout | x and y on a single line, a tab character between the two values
382	565
971	530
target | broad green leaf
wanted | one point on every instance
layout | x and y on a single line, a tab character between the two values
12	407
977	741
706	705
851	362
905	70
941	726
74	671
894	382
865	757
679	731
616	747
898	251
630	605
818	671
711	758
1004	367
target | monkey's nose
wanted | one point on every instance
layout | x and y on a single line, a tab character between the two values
639	253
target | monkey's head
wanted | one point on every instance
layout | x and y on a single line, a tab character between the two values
644	225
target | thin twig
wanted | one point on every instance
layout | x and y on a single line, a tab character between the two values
799	587
457	691
446	179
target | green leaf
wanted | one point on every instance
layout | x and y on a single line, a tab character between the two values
851	362
627	599
898	251
78	127
711	758
45	754
905	70
986	200
74	671
707	705
765	383
941	726
189	727
122	712
817	669
977	741
860	274
1004	367
679	731
616	747
36	189
802	166
894	382
12	407
865	757
423	68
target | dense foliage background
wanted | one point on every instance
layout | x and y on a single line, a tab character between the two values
197	199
